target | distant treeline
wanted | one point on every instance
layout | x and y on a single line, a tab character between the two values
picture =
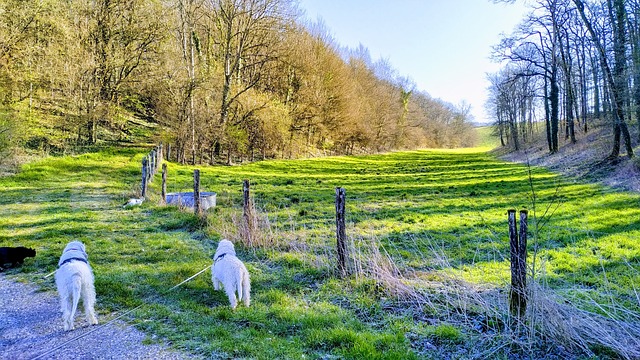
573	64
217	79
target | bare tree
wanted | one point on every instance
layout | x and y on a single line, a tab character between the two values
122	38
246	36
616	78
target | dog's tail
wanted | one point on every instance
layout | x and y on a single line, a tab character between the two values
246	288
76	288
239	287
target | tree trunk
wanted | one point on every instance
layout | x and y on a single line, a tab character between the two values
596	91
226	85
636	84
554	100
616	80
92	130
547	119
620	78
513	124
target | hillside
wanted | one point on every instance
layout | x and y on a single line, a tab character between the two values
429	245
261	84
583	160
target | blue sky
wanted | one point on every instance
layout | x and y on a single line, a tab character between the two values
442	45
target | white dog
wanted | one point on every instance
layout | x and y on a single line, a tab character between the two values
231	272
74	279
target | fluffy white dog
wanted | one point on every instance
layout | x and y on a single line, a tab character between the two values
229	271
74	280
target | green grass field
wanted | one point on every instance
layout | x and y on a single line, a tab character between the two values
424	217
485	139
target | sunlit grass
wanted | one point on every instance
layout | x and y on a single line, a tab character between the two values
433	212
485	138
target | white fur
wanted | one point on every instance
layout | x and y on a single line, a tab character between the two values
74	280
231	273
134	202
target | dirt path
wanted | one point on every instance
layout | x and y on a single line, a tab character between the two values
31	324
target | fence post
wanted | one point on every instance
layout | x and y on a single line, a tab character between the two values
164	183
341	232
148	168
154	161
144	177
196	191
518	246
150	157
248	212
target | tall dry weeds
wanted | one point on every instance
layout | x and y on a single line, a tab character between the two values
551	320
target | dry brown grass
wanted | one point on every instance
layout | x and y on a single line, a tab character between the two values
554	326
12	159
258	233
567	323
551	321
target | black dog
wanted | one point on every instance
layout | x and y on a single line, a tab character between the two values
15	255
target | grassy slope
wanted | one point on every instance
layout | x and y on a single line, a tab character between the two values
416	204
485	139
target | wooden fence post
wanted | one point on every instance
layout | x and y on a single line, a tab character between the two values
518	246
196	191
148	171
164	183
154	161
144	177
341	232
150	167
248	213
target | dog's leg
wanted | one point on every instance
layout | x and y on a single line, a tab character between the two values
231	293
65	307
216	283
88	301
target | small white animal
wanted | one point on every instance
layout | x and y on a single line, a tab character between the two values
133	202
74	279
229	271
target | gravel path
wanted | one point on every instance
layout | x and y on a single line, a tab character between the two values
31	324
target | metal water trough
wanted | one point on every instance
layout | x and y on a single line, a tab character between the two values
185	199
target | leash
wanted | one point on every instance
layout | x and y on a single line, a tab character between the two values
189	279
48	352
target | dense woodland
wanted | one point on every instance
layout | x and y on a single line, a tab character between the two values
574	64
219	80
